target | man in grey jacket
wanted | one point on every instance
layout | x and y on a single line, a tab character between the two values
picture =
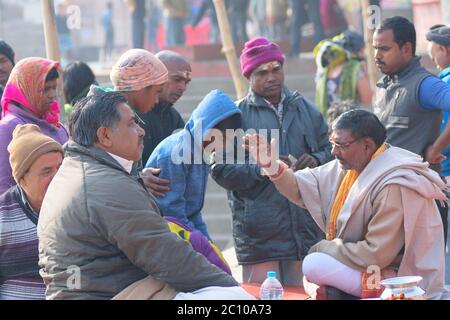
410	99
100	231
270	233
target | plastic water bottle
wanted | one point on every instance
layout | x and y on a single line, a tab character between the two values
271	289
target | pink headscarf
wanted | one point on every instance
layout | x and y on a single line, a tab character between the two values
26	86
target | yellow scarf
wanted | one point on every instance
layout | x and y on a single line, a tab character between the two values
350	177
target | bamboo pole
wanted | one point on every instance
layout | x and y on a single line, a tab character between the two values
51	37
52	48
229	49
368	36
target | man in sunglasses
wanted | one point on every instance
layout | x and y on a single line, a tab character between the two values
376	204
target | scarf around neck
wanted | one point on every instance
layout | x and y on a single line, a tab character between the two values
349	180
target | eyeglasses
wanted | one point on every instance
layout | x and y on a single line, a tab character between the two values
342	146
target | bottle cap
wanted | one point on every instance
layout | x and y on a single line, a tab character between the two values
271	274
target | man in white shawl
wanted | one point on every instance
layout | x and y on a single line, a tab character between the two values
376	204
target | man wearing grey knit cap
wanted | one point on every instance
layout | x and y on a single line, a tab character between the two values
6	65
439	47
439	51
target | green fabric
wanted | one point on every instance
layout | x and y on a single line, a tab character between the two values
347	85
68	110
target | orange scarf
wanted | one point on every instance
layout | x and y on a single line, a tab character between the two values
350	178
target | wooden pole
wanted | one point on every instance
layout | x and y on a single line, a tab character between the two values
229	49
52	47
369	29
51	36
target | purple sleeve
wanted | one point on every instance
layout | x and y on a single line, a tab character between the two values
6	130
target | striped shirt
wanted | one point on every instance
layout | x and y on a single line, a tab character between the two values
19	269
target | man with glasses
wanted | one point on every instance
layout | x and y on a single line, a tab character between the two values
376	204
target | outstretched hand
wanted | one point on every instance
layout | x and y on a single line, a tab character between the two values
434	156
264	154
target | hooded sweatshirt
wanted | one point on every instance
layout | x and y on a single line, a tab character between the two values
180	158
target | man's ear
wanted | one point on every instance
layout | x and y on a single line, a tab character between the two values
407	48
104	137
370	145
23	182
446	50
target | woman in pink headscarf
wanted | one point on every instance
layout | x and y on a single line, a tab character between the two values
29	97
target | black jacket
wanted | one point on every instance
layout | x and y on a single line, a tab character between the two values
266	226
160	123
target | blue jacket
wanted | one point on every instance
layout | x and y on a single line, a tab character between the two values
180	158
445	76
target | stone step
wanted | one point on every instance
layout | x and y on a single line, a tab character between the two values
220	228
200	86
212	185
219	68
187	104
223	243
217	215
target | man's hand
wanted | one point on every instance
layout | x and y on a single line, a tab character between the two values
264	154
158	187
305	161
286	160
434	156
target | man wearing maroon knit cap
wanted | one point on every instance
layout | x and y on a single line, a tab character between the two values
270	233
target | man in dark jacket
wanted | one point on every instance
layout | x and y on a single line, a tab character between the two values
101	233
6	66
270	233
164	119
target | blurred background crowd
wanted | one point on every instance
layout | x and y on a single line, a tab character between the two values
101	30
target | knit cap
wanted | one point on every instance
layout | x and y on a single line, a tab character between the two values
27	145
440	36
259	51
